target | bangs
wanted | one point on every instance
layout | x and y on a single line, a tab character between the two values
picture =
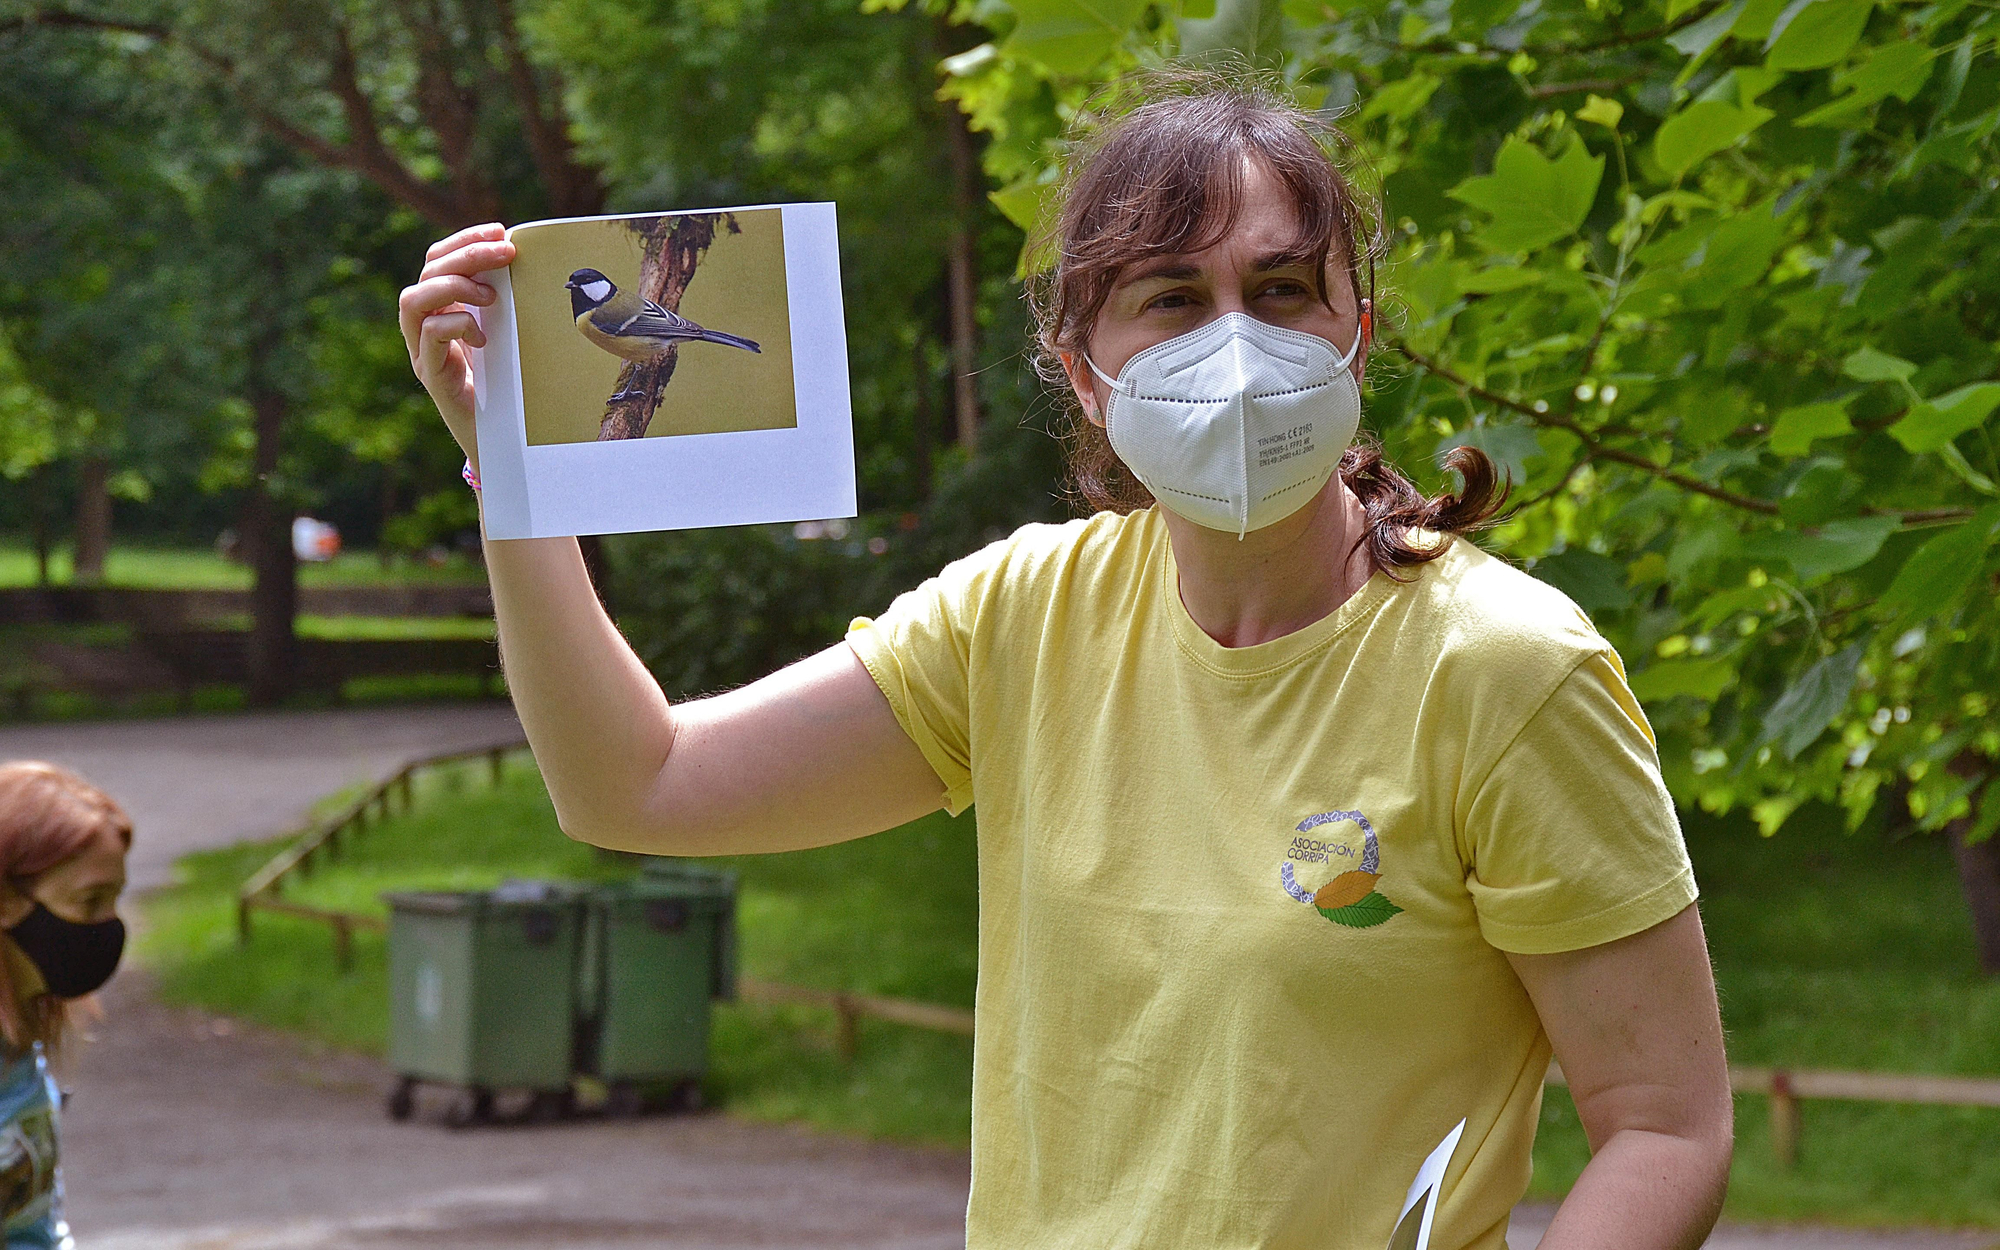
1169	180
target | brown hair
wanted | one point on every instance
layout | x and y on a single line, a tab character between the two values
1156	168
47	816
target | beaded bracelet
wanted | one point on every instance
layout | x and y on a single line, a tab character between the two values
471	478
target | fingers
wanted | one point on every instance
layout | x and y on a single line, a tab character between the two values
471	234
436	295
475	257
438	333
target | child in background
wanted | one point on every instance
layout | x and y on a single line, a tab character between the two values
62	867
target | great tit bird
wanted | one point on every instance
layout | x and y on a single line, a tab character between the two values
632	328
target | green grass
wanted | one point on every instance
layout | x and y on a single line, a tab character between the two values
195	568
1840	952
835	918
1830	953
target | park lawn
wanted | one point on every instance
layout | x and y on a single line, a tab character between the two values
1830	952
837	918
197	568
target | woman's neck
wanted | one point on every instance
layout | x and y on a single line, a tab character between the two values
1276	580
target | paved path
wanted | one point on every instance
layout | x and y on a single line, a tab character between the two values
194	782
195	1132
192	1132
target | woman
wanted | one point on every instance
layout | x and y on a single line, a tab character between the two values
1305	827
62	868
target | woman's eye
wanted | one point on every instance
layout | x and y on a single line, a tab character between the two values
1286	289
1170	299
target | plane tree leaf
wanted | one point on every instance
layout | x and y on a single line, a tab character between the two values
1534	201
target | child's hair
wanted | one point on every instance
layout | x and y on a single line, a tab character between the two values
48	815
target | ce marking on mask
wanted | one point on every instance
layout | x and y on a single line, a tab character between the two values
1278	448
1348	897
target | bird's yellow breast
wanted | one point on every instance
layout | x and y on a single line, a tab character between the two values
634	349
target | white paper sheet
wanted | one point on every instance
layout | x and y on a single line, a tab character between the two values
538	487
1413	1222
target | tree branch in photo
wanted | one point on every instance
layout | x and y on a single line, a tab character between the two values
673	247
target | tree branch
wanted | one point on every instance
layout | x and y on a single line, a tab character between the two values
573	190
365	153
1592	444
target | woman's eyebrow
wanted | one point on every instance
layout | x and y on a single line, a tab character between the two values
1170	267
1290	258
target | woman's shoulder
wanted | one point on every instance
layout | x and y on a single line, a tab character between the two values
1488	612
1047	555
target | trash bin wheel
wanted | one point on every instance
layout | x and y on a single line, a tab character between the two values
472	1106
685	1097
626	1099
551	1104
403	1098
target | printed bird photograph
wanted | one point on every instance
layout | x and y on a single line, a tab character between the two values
654	326
633	328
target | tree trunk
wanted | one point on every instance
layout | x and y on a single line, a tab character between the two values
926	416
267	539
382	553
962	277
1979	877
93	520
672	247
38	521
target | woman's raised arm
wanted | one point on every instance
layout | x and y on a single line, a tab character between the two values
809	755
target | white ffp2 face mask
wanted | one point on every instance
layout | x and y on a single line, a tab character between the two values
1234	425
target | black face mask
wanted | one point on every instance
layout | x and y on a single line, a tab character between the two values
75	959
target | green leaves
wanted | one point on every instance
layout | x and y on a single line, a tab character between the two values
1819	33
1931	579
1534	201
1804	711
1934	423
1704	679
1701	130
1834	547
1868	365
1593	582
1366	914
1895	69
1070	37
1793	433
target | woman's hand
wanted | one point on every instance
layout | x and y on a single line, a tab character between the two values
439	328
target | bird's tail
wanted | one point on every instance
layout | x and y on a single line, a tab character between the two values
730	340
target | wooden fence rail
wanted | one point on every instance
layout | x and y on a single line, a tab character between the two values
1785	1087
261	891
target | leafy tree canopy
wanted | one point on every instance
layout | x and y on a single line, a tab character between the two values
1718	283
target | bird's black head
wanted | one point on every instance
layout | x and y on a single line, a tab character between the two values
587	289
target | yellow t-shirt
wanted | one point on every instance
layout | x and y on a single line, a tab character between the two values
1201	1023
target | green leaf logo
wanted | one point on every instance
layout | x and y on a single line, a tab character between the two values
1364	914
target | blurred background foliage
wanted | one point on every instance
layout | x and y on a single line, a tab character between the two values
1714	280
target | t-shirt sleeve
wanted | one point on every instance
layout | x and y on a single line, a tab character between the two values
918	652
1573	838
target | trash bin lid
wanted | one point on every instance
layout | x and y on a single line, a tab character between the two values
507	896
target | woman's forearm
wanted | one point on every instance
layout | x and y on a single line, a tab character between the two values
1644	1191
598	723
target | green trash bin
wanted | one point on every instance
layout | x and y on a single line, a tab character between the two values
483	994
665	946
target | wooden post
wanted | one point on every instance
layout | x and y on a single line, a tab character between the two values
343	943
497	757
408	790
242	920
846	1032
1784	1120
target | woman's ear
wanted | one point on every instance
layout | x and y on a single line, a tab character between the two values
14	903
1082	384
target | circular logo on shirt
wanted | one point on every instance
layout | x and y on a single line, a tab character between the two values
1332	866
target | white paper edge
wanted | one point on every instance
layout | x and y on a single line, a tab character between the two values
500	423
1430	1178
740	478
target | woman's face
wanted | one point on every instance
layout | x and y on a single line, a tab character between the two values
1248	272
83	888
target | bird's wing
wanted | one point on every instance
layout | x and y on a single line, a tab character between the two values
655	322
